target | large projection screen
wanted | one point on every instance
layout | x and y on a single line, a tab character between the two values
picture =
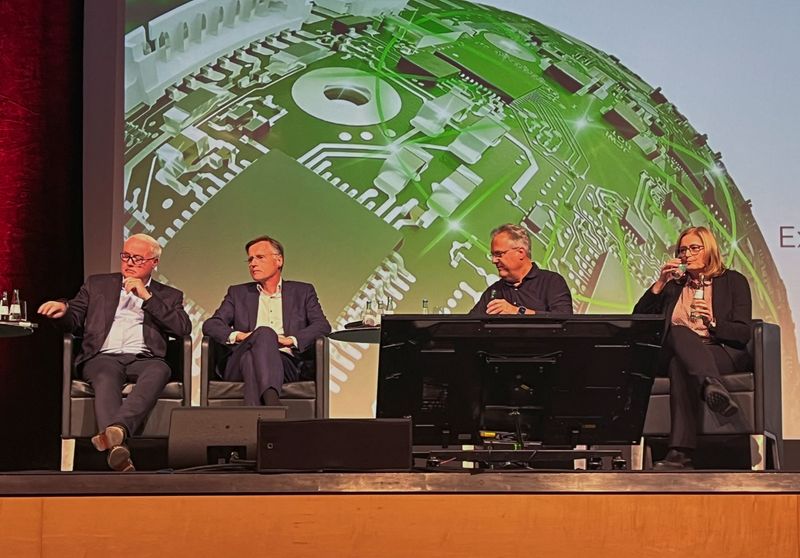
382	140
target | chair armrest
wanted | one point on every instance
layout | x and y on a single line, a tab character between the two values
179	358
206	362
323	377
69	348
767	378
186	369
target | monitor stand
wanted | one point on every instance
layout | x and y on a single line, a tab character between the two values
509	456
521	454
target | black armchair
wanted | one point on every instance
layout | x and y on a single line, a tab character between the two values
757	392
77	413
304	399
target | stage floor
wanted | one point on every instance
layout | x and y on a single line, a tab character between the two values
528	482
606	514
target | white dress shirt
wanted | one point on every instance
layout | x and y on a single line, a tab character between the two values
127	333
270	314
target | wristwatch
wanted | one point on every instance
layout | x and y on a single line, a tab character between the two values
521	310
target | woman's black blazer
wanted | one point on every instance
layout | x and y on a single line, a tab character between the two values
731	303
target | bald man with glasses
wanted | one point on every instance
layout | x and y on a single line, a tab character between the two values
125	319
523	287
269	325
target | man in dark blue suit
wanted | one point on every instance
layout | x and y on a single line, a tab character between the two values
268	324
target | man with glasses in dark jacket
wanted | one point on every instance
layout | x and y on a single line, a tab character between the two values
125	319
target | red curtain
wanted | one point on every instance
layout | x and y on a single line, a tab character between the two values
40	210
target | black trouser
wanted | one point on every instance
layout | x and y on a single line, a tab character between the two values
690	361
258	363
108	373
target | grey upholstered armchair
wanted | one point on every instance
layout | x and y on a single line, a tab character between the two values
756	391
77	412
304	399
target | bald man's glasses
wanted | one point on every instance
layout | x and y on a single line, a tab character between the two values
133	259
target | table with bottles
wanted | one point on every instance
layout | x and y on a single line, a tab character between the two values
16	329
14	316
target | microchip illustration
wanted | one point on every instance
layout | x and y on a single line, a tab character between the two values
382	141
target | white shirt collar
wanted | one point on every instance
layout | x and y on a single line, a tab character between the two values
277	292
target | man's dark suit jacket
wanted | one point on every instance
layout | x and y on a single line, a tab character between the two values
91	314
731	305
303	317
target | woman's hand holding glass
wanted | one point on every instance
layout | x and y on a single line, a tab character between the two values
671	270
702	310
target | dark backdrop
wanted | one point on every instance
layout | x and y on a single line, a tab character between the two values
41	242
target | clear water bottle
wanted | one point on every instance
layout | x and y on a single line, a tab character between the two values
425	309
699	294
14	311
4	307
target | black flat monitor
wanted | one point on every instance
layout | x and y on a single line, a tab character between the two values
561	380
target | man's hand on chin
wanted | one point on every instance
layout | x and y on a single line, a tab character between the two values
136	286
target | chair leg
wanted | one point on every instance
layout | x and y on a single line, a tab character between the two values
637	456
774	450
758	460
647	455
579	464
67	454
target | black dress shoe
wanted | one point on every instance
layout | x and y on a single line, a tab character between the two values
718	399
676	460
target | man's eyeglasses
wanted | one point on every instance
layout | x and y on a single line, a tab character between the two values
693	248
497	254
133	258
260	257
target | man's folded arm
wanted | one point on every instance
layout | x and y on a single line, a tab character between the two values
220	326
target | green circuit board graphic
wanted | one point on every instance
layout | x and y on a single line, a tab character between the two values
382	141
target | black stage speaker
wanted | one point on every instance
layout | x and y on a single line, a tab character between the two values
209	435
334	445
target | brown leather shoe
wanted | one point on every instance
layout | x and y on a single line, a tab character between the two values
113	435
112	439
119	459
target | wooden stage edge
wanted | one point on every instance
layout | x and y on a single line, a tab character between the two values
48	483
387	515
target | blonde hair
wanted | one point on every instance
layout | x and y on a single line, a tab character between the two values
715	265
